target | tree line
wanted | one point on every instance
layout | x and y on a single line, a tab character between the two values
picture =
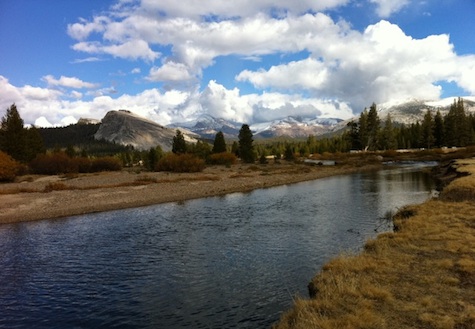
455	129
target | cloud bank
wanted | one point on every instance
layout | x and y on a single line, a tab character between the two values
332	69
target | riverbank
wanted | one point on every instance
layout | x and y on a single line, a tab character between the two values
421	276
44	197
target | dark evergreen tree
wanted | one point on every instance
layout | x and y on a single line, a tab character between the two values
373	128
13	135
439	130
246	147
34	143
427	131
363	129
289	153
179	144
219	144
354	136
152	159
389	141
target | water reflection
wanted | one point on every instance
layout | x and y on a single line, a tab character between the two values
226	262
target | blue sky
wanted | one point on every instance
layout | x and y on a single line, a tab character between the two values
248	60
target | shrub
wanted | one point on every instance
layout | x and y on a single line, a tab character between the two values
223	158
8	168
106	164
53	164
83	164
180	163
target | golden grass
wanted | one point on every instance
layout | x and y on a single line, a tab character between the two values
422	276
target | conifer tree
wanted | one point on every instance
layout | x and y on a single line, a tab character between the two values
363	129
219	144
439	130
12	134
388	136
246	147
373	128
179	144
427	130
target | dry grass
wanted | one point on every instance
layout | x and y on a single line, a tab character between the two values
422	276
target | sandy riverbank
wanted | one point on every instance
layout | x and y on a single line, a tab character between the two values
35	197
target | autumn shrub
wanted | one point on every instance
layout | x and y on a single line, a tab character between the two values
224	158
52	164
8	168
180	163
106	164
82	164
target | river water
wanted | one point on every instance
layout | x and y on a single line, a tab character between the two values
223	262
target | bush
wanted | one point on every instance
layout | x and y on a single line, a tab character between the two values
180	163
106	164
53	164
8	168
60	163
224	158
82	164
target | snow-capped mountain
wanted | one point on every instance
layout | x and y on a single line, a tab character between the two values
207	126
294	127
414	110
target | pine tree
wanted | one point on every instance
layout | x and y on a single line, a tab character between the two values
427	131
373	128
363	129
388	136
246	147
13	136
439	130
219	144
179	144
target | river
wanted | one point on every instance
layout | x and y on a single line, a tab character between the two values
234	261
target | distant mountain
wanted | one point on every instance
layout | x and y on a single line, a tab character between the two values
126	128
411	111
207	126
295	127
414	110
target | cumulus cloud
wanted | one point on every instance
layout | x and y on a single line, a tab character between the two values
170	71
385	8
45	108
68	82
378	64
132	49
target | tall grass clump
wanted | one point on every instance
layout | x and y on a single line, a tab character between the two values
180	163
8	168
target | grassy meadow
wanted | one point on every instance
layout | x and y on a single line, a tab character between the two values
420	276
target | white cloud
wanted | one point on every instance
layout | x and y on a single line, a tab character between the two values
386	8
243	8
68	82
132	49
170	71
136	70
379	64
83	29
76	94
165	108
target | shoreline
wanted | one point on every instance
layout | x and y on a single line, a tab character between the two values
422	275
36	198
